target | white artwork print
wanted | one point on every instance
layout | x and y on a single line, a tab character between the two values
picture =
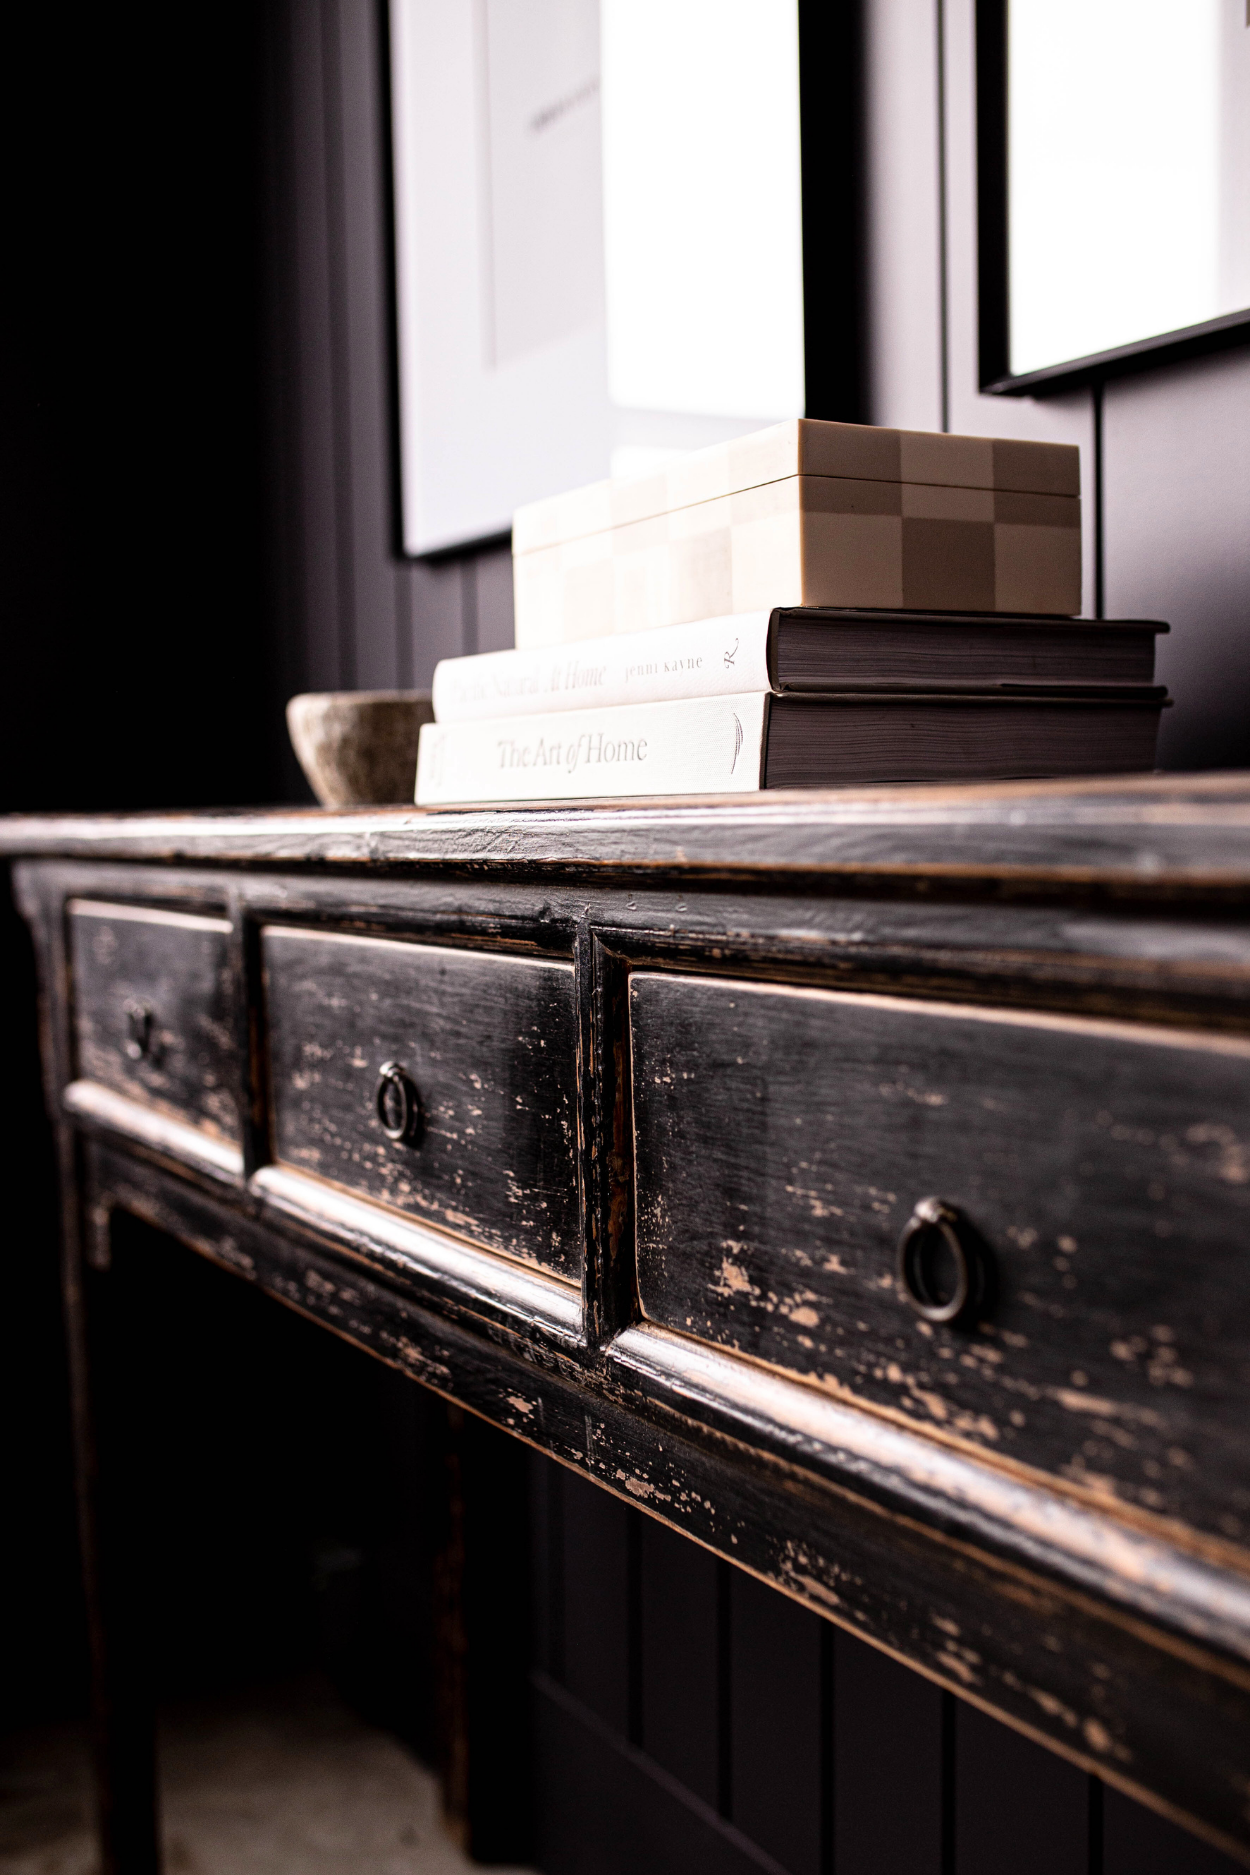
538	77
543	343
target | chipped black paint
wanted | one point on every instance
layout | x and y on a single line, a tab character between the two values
178	969
783	1137
487	1041
1113	902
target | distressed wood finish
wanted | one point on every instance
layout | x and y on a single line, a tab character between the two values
1157	834
1072	938
783	1137
1064	1666
489	1044
178	966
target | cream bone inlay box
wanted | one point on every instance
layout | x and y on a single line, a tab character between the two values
806	514
608	1123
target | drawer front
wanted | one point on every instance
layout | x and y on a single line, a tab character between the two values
783	1137
487	1044
154	1010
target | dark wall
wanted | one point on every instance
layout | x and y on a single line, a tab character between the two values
200	477
1165	452
133	514
136	648
197	520
278	1494
349	611
688	1717
200	454
1176	542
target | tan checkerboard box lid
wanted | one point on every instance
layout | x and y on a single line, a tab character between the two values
806	447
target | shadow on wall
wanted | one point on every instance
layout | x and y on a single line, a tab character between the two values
1176	522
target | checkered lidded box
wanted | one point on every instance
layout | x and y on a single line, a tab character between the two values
806	513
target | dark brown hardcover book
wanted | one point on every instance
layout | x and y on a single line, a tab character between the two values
862	736
821	649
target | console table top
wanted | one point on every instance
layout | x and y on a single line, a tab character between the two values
1151	831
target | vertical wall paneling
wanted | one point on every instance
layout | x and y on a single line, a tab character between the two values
405	649
680	1639
316	443
284	573
887	1762
348	611
626	1726
495	620
841	1762
336	38
1060	419
1176	492
777	1725
370	596
724	1689
434	619
468	606
904	233
1137	1842
603	1811
1096	526
596	1601
943	196
496	1598
1017	1806
546	1571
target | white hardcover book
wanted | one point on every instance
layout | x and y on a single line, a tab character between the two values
701	745
711	658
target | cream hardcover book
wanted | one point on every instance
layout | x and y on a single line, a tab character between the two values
703	745
736	744
715	657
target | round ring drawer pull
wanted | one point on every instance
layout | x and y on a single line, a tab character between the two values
941	1264
139	1036
398	1107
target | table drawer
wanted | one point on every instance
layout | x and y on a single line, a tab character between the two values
1098	1172
154	1010
486	1047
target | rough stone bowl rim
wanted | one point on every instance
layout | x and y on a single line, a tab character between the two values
358	696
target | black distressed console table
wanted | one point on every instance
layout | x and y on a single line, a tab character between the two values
858	1182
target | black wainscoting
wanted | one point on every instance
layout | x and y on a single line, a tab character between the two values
687	1717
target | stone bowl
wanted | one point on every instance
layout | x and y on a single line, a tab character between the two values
358	748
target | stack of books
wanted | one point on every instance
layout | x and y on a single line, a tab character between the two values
820	604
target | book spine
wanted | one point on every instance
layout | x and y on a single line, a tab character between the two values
704	745
714	657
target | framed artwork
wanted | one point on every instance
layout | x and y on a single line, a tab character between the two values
1113	156
599	243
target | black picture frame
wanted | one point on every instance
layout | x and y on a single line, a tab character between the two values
993	256
834	198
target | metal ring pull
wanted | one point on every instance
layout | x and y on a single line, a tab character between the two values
139	1036
933	1227
398	1107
